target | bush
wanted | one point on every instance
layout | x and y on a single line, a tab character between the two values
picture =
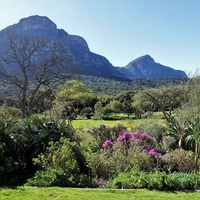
179	160
103	132
10	112
130	150
61	166
181	181
155	180
154	129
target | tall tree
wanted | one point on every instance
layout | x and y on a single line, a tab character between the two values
30	62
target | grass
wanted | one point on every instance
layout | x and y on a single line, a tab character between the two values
56	193
90	123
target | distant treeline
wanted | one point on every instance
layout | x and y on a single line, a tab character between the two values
112	87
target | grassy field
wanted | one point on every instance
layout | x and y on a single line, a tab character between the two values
89	123
57	193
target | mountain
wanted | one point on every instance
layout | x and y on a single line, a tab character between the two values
84	61
146	67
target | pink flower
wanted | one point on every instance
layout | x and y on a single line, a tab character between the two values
108	143
154	153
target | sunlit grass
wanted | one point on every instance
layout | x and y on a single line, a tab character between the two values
90	123
57	193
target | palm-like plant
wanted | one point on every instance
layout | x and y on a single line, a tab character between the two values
176	129
193	138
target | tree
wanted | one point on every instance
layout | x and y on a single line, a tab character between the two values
125	99
98	110
140	105
76	91
30	62
115	106
166	99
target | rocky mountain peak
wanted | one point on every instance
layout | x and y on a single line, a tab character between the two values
146	67
144	59
34	24
37	22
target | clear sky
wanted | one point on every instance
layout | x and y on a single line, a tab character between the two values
122	30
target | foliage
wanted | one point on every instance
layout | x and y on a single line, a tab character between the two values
179	160
87	112
61	166
44	100
155	180
98	110
153	128
9	112
193	138
76	91
25	139
130	150
110	87
102	132
69	111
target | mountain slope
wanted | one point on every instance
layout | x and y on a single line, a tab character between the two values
146	67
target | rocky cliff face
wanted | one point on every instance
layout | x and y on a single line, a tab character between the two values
87	62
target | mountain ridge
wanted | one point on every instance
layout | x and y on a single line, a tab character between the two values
146	67
90	63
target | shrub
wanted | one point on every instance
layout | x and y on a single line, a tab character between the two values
61	166
103	132
10	112
179	160
181	181
155	180
154	129
131	150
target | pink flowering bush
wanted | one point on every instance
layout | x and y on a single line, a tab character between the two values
131	150
143	141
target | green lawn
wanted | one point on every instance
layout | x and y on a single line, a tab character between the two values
56	193
90	123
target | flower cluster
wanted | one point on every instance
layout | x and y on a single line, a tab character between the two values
154	153
146	142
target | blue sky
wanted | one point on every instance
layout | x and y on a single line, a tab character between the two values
122	30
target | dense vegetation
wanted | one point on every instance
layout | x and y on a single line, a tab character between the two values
46	149
41	146
112	87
